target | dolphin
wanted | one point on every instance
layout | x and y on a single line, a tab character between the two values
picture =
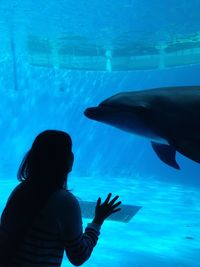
169	117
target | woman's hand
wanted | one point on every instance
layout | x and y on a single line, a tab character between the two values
104	210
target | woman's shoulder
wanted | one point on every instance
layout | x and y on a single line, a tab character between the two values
63	194
64	198
59	203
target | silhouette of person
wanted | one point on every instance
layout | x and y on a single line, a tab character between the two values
42	218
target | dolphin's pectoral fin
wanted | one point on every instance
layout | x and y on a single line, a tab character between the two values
188	147
166	153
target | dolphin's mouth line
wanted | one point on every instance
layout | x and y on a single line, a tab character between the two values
115	107
105	109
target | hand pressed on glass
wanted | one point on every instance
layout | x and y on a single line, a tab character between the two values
104	210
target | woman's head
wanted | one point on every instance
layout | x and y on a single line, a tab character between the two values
49	160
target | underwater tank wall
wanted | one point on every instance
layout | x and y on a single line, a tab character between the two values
60	57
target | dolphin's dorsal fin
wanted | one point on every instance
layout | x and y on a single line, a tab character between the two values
166	153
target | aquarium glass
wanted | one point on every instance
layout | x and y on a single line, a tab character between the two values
59	58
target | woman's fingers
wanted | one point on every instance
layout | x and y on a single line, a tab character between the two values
99	201
116	204
113	200
109	205
116	210
108	198
112	203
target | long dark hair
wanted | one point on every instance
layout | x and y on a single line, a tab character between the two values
49	160
43	171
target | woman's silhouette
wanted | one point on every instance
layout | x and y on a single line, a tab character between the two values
42	219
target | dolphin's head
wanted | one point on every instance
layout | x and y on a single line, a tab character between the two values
106	110
123	111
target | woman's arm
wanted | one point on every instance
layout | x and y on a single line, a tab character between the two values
79	245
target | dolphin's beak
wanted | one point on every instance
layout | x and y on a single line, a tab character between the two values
90	112
93	113
97	113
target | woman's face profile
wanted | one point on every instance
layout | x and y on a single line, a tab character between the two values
70	161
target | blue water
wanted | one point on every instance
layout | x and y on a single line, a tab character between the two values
166	231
